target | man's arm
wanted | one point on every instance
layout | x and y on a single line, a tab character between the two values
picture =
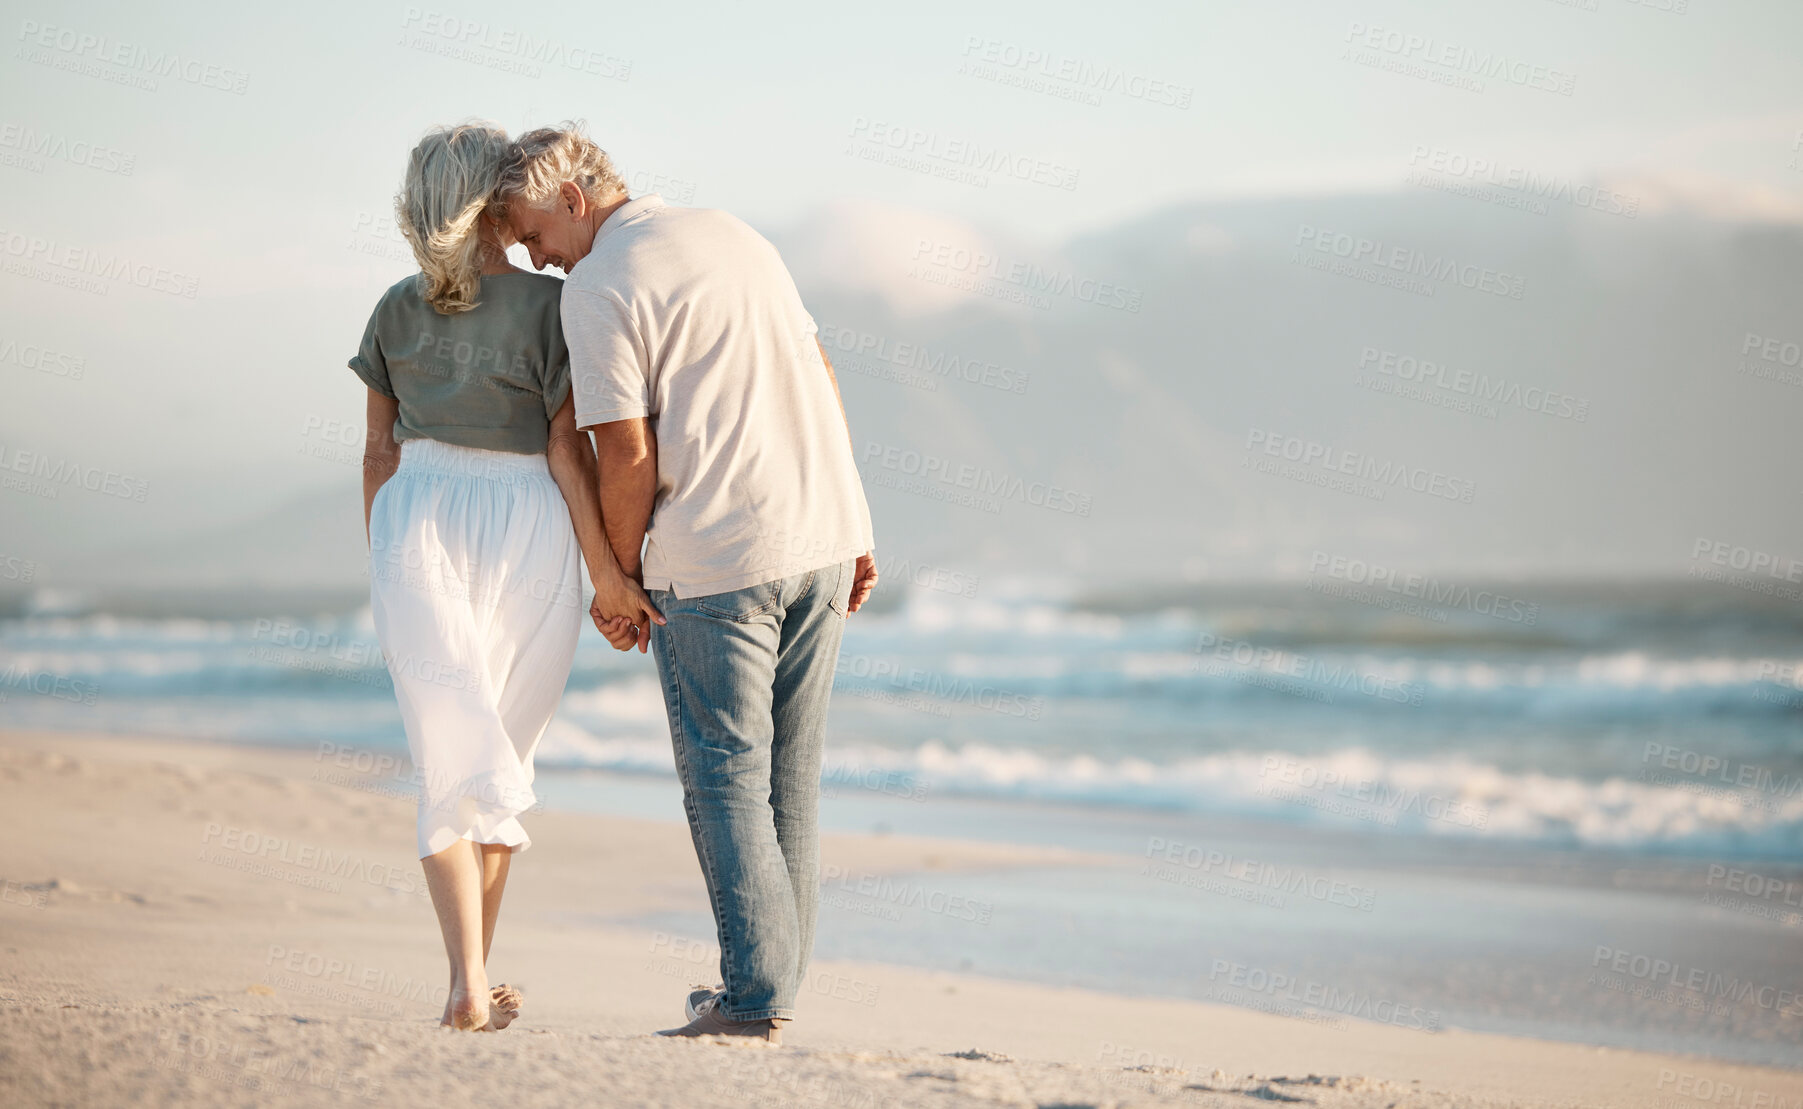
834	378
620	604
626	456
610	376
865	580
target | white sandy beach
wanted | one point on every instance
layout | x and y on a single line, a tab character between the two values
201	924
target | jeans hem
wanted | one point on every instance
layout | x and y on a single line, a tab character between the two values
760	1014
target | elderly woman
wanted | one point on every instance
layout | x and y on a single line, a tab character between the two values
478	493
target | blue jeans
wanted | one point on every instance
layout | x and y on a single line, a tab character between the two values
747	676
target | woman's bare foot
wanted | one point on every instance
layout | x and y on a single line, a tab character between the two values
503	1009
469	1011
505	1006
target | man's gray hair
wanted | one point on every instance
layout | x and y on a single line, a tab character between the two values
539	162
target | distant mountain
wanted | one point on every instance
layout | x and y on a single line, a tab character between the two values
311	541
1636	322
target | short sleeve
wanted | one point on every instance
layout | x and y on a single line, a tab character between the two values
368	362
555	384
610	369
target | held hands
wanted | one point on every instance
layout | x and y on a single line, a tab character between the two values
623	614
618	631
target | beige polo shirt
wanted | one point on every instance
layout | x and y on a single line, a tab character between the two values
688	316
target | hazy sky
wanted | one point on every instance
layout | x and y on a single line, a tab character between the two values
268	199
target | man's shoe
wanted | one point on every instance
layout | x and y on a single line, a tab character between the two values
710	1022
691	1005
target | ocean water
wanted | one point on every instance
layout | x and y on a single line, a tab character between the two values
1333	808
1661	719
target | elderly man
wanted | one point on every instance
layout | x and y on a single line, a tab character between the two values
723	449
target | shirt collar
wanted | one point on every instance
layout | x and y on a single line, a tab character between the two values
630	212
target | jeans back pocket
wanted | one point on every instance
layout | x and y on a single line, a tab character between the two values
740	605
840	599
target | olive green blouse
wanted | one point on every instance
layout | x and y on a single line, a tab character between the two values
491	377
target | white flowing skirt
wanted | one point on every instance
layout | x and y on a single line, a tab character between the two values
476	590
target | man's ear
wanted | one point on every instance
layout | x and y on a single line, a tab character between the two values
573	200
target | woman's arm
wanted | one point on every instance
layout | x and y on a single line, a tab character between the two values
617	597
381	454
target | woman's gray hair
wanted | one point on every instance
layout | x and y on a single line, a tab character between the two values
450	180
540	161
